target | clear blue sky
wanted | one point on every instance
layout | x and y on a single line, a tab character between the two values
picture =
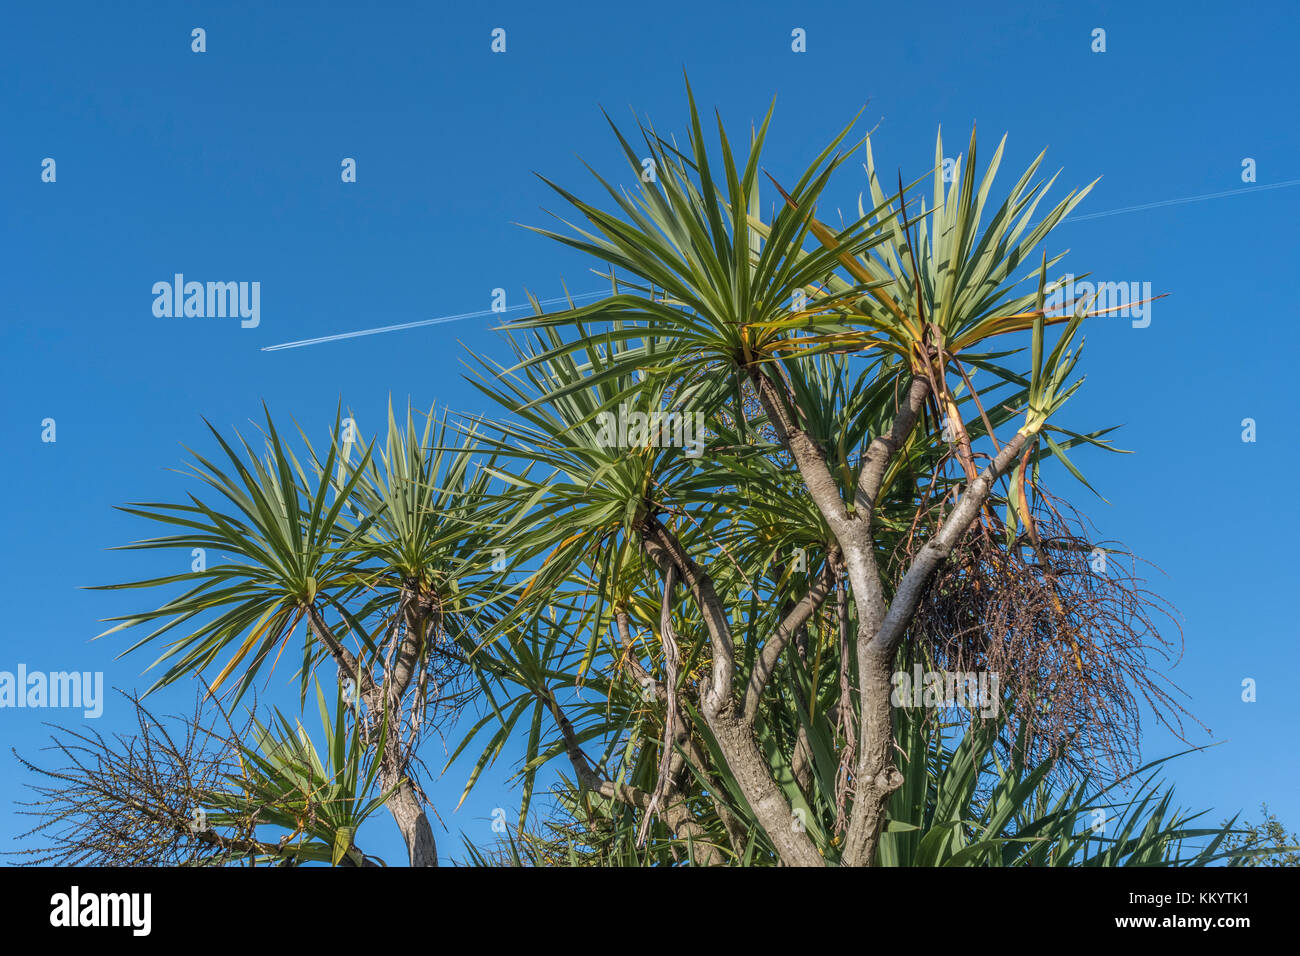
225	166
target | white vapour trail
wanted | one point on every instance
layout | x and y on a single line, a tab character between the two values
1184	199
562	300
591	295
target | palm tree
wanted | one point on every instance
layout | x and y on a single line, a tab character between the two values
381	561
961	805
717	512
725	629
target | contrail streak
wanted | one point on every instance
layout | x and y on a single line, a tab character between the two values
1185	199
591	295
423	322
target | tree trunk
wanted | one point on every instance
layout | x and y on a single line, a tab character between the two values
876	777
736	741
404	803
405	807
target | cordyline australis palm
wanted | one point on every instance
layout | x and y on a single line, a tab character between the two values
749	609
378	562
707	639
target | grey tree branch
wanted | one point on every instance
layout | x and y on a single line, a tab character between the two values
672	660
875	776
910	589
882	449
776	643
735	737
808	456
665	550
404	803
